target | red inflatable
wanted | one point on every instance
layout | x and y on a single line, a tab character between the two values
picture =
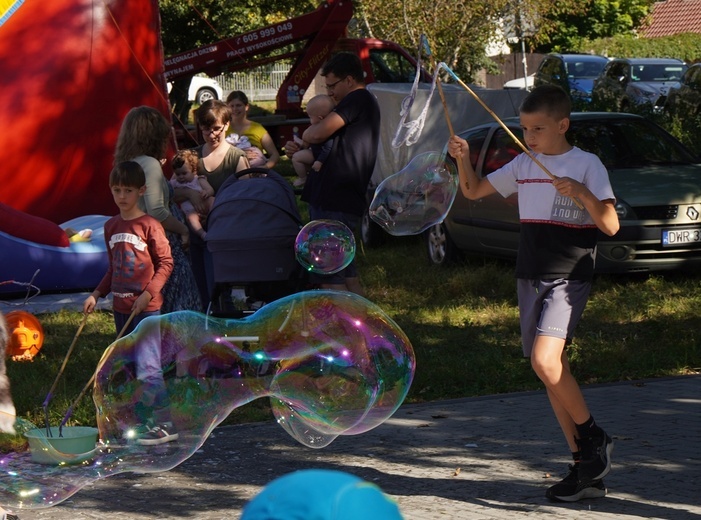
71	70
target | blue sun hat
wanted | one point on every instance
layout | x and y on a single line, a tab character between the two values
315	494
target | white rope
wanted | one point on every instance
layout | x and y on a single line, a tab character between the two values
408	132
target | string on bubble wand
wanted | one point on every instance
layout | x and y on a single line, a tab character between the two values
409	132
446	112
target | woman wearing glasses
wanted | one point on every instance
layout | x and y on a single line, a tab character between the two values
218	160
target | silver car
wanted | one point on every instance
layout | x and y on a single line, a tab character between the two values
629	82
656	180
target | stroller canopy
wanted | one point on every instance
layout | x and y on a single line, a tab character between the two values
252	228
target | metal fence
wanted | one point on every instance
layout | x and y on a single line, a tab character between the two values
259	84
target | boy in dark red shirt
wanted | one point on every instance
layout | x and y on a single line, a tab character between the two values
139	266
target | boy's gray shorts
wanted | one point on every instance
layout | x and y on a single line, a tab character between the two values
550	308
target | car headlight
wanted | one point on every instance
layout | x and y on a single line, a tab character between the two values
624	211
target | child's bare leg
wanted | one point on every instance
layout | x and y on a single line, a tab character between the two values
563	417
589	444
194	221
549	361
301	161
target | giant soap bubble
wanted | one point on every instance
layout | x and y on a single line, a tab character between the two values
417	197
331	362
325	246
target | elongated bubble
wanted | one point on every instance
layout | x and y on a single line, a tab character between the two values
331	362
417	197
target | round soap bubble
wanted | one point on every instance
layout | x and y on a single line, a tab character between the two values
325	246
331	362
417	197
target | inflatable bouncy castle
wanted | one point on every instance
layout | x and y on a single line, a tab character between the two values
71	70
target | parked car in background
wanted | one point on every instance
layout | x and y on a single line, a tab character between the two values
685	100
202	89
574	73
656	180
627	82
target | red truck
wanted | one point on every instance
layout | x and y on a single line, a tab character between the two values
308	40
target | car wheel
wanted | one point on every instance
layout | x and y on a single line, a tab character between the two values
371	233
439	246
205	94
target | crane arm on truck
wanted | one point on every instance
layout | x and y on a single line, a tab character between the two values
308	40
311	38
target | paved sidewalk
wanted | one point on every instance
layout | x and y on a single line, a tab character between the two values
475	458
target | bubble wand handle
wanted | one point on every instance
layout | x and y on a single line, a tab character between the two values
506	129
69	412
50	394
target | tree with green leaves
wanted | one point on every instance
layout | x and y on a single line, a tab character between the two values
189	24
565	24
458	31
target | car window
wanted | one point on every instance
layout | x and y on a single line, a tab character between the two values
617	69
551	68
388	66
657	72
628	143
583	69
594	138
476	141
502	150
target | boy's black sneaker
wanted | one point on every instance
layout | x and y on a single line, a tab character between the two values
570	489
596	457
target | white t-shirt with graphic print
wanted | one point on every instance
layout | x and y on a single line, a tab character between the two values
557	239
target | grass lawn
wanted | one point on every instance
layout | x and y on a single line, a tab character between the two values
463	324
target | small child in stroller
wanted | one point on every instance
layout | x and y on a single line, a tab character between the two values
252	229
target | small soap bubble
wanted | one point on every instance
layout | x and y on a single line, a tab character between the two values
325	246
331	362
417	197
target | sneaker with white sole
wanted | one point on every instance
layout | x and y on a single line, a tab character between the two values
570	489
596	457
134	432
158	435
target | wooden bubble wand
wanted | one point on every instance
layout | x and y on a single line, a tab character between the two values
69	412
506	128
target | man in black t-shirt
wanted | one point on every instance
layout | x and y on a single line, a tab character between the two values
339	189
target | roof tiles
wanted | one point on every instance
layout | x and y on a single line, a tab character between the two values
674	17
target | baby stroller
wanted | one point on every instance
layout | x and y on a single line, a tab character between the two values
251	233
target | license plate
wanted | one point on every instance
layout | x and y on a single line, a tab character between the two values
680	237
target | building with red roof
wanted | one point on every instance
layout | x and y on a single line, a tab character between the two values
673	17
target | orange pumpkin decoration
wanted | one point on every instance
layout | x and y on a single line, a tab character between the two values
26	335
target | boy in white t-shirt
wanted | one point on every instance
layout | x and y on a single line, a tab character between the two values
555	266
